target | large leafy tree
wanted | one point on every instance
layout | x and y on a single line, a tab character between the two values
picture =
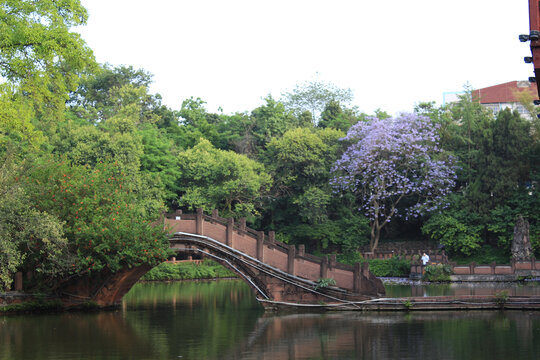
107	222
30	239
39	53
391	162
211	178
301	206
313	97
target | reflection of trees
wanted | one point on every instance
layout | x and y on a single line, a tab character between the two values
195	320
443	335
219	320
86	336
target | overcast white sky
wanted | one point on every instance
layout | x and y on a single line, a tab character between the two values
391	53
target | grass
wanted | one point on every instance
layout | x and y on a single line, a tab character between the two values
32	306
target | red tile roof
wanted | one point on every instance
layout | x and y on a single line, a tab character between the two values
504	93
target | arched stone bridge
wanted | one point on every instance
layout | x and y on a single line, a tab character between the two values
279	274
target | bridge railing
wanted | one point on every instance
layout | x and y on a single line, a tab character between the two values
266	248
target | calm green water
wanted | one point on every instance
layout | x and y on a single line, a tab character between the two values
222	320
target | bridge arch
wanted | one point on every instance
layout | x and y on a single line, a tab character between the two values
278	274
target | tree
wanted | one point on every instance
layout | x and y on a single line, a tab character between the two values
216	179
39	53
391	161
107	220
29	239
313	96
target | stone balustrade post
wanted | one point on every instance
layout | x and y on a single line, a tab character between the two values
229	232
333	261
324	267
178	214
365	269
272	237
242	223
199	222
260	245
357	277
290	259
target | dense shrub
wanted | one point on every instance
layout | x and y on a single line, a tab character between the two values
437	272
393	267
187	271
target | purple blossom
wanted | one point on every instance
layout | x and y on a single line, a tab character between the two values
392	159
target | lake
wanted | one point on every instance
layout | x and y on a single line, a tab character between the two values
222	320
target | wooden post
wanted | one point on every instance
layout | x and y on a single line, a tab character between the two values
229	234
215	213
357	282
493	265
260	245
301	250
199	220
324	267
290	259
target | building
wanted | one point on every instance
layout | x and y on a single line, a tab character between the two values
499	97
502	96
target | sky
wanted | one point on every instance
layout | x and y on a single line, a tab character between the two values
232	54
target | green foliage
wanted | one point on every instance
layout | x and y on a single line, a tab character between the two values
437	272
393	267
271	120
485	255
217	179
16	128
501	298
314	96
107	222
29	239
408	304
324	283
37	46
33	307
187	271
457	237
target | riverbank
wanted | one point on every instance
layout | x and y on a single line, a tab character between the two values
429	303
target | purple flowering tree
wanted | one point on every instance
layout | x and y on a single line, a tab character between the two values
392	160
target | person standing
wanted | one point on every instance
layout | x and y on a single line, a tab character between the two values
425	259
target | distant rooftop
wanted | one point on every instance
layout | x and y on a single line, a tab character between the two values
505	93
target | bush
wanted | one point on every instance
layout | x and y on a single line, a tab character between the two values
393	267
486	255
208	269
437	272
